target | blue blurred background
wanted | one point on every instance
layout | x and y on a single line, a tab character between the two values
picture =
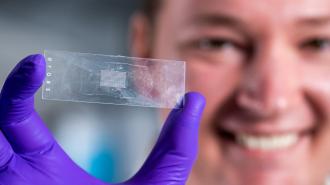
110	142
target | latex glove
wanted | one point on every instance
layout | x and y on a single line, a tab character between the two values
29	155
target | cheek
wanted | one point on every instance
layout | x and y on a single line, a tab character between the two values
215	82
316	82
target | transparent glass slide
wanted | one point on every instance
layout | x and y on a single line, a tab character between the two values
106	79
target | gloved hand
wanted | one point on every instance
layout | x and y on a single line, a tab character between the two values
29	155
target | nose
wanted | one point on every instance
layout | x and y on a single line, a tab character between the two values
269	83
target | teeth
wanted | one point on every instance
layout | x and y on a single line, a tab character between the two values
267	142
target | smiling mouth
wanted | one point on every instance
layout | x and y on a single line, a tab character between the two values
265	142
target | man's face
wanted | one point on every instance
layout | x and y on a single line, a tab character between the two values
264	68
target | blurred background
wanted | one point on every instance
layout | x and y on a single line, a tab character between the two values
110	142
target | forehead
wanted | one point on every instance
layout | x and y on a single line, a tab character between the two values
249	10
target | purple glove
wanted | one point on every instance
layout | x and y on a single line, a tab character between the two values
29	155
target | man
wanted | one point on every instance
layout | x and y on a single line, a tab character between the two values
264	69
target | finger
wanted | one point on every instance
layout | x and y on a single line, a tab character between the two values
175	152
6	152
20	123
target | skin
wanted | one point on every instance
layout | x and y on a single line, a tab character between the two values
264	68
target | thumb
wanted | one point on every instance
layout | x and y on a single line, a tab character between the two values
172	158
16	97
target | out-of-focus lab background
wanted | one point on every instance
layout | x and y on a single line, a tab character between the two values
110	142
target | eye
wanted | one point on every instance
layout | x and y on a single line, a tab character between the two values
216	44
316	44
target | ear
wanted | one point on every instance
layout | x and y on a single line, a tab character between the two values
140	36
